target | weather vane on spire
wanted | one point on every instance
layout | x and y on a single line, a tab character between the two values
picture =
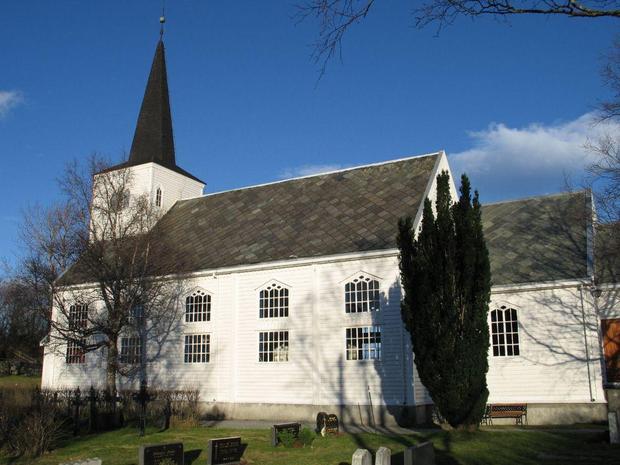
162	19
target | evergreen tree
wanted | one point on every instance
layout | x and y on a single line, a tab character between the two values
446	279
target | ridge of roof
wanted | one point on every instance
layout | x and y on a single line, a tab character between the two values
535	197
326	173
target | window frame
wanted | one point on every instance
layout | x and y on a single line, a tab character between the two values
263	353
283	301
159	197
78	316
206	343
130	358
75	355
378	349
373	304
208	297
500	336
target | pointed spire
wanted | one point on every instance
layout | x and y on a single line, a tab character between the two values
153	140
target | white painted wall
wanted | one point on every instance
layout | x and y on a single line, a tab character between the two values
552	367
144	180
555	328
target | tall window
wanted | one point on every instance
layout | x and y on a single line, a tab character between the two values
197	348
361	295
136	315
504	332
273	346
198	307
75	353
363	343
130	350
274	301
158	197
78	316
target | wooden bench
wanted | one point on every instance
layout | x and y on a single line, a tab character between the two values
516	411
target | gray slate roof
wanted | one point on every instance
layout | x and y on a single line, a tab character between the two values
531	240
348	211
607	253
538	239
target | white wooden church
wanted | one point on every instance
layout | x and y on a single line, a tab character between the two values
294	302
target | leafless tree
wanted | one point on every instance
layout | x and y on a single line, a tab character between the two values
21	325
99	260
604	172
444	12
335	17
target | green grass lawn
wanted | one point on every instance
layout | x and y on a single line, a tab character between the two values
20	381
484	447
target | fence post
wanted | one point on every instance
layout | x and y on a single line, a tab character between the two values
76	412
167	411
92	414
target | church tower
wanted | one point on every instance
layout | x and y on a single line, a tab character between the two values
152	162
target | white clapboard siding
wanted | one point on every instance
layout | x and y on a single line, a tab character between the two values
551	368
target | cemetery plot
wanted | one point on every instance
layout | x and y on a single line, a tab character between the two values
161	454
225	451
276	430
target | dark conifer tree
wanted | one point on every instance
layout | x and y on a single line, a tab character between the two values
446	279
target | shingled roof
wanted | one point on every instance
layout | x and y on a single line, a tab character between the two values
353	210
538	239
356	210
607	253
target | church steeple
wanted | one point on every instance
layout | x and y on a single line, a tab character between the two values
153	140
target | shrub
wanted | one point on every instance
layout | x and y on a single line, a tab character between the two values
306	436
38	432
286	438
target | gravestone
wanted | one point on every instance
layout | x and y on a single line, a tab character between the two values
331	424
614	434
94	461
420	454
225	451
156	454
383	457
361	457
292	428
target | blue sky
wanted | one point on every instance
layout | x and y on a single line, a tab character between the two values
509	102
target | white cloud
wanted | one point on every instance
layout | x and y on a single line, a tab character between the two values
530	160
307	170
9	99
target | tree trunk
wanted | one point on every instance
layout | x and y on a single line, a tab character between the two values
111	367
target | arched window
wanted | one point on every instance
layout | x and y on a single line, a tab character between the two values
78	317
361	295
158	197
198	307
273	301
504	332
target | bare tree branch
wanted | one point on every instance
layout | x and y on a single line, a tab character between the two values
97	259
335	18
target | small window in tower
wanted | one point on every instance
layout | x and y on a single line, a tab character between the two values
158	197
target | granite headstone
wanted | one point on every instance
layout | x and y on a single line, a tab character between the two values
420	454
361	457
383	456
156	454
292	428
225	451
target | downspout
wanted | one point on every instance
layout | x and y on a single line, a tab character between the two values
585	342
